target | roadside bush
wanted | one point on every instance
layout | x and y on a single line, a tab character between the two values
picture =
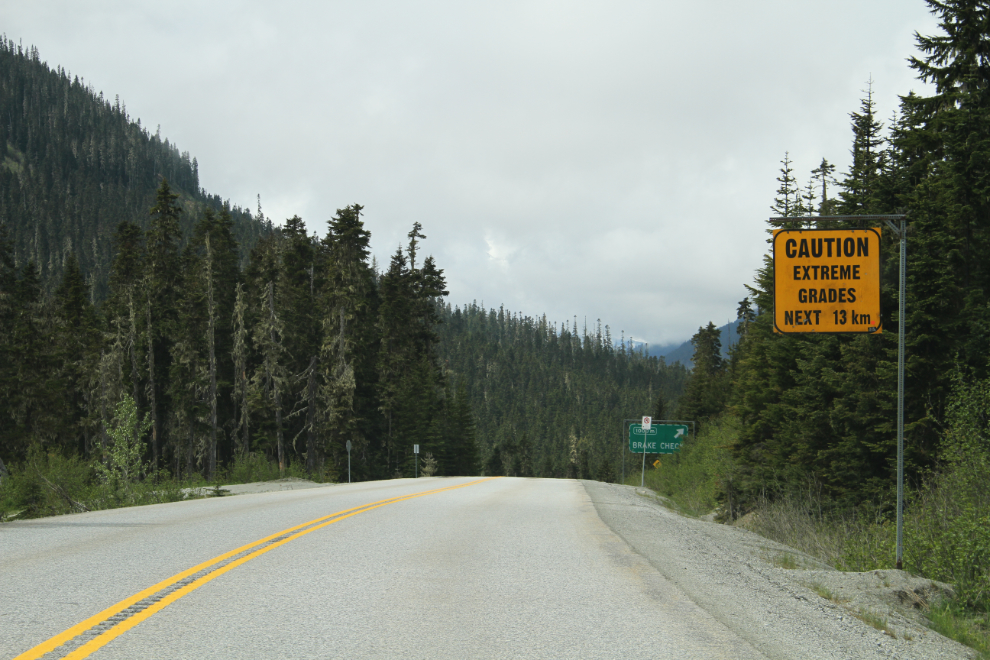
46	484
849	539
251	467
949	534
122	467
700	477
946	520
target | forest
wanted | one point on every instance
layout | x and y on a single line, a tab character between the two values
550	401
74	165
150	333
823	407
798	431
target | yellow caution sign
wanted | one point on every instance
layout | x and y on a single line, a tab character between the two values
826	280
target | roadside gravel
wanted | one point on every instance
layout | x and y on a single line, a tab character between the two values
732	574
290	483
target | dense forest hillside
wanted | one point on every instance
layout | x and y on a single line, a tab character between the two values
820	410
73	165
551	401
141	317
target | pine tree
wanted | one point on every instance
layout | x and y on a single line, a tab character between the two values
9	440
161	285
787	203
271	378
121	307
77	350
348	323
242	411
823	176
861	186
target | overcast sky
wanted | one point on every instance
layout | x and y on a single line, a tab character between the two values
610	160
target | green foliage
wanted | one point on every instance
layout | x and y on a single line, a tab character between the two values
699	478
122	465
707	388
964	626
550	400
45	484
429	467
950	535
249	468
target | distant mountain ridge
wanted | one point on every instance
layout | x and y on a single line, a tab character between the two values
684	352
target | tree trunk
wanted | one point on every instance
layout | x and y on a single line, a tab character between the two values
311	417
276	387
152	399
211	310
132	341
241	412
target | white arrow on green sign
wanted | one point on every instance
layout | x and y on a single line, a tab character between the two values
660	439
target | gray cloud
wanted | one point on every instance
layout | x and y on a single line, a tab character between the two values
606	160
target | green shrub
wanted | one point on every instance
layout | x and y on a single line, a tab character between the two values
250	468
947	528
122	466
46	484
700	477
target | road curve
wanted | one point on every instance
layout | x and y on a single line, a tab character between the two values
500	568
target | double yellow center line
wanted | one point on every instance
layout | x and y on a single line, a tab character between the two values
97	631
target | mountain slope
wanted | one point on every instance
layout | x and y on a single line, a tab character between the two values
550	402
73	165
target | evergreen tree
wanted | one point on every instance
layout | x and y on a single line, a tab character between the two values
163	275
241	389
120	310
271	379
706	391
76	348
787	204
823	176
348	350
861	186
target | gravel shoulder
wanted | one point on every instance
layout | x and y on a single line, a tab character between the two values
291	483
812	611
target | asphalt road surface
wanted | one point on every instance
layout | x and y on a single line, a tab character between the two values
412	568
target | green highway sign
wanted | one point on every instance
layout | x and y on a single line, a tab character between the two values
660	439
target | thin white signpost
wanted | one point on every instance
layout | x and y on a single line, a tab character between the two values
416	451
647	424
349	445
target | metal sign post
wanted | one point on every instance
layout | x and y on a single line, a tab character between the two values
416	451
817	245
623	464
646	425
902	294
349	461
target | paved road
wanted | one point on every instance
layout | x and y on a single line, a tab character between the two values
502	568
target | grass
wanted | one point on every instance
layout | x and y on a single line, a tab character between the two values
828	594
965	627
786	560
875	620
